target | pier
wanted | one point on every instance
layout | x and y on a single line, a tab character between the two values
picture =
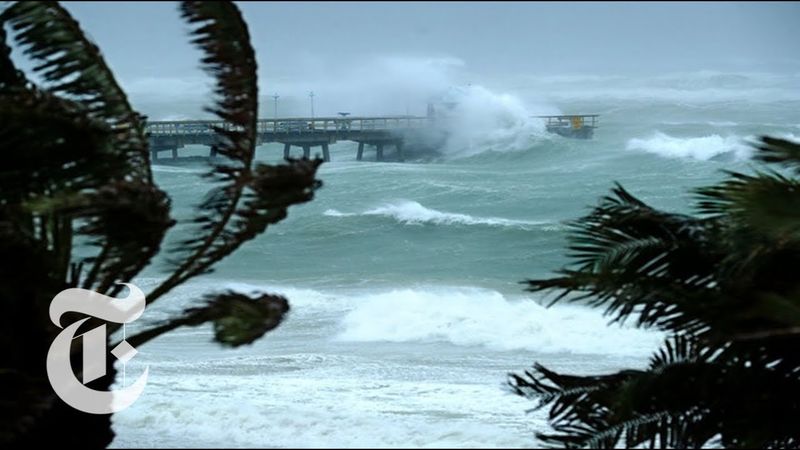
378	133
381	134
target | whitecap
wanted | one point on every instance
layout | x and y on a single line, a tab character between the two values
481	317
696	147
409	212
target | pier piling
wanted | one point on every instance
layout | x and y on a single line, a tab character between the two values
326	156
379	152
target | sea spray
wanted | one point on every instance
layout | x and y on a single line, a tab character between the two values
481	120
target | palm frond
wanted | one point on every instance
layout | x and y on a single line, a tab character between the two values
73	67
64	149
221	33
248	199
654	407
766	202
782	151
631	258
724	285
238	318
10	76
82	138
129	220
77	169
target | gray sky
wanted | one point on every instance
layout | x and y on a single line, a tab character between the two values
340	49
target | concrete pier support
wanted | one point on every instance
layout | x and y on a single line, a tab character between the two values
213	152
286	148
360	151
175	153
399	147
153	155
326	155
379	155
307	151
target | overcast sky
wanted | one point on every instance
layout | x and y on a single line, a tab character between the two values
319	46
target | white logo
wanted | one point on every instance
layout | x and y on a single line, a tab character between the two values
59	368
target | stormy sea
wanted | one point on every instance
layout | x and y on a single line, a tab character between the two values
404	278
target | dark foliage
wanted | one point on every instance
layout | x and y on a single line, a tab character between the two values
722	284
76	169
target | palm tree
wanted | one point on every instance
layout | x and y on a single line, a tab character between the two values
722	284
76	173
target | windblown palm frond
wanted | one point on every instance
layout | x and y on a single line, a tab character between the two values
10	76
72	67
78	90
238	209
723	285
76	167
627	255
783	151
238	318
685	399
767	202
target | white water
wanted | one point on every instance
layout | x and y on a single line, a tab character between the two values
420	367
412	213
480	317
702	148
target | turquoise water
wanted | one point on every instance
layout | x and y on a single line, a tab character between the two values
407	311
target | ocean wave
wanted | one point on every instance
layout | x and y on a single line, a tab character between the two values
480	317
177	169
701	147
483	121
713	123
460	315
413	213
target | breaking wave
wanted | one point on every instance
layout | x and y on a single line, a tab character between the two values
412	213
701	148
482	120
473	316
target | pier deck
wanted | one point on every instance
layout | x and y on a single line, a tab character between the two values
379	133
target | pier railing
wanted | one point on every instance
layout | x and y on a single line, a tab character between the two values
299	125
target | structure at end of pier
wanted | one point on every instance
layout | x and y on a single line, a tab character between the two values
579	126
